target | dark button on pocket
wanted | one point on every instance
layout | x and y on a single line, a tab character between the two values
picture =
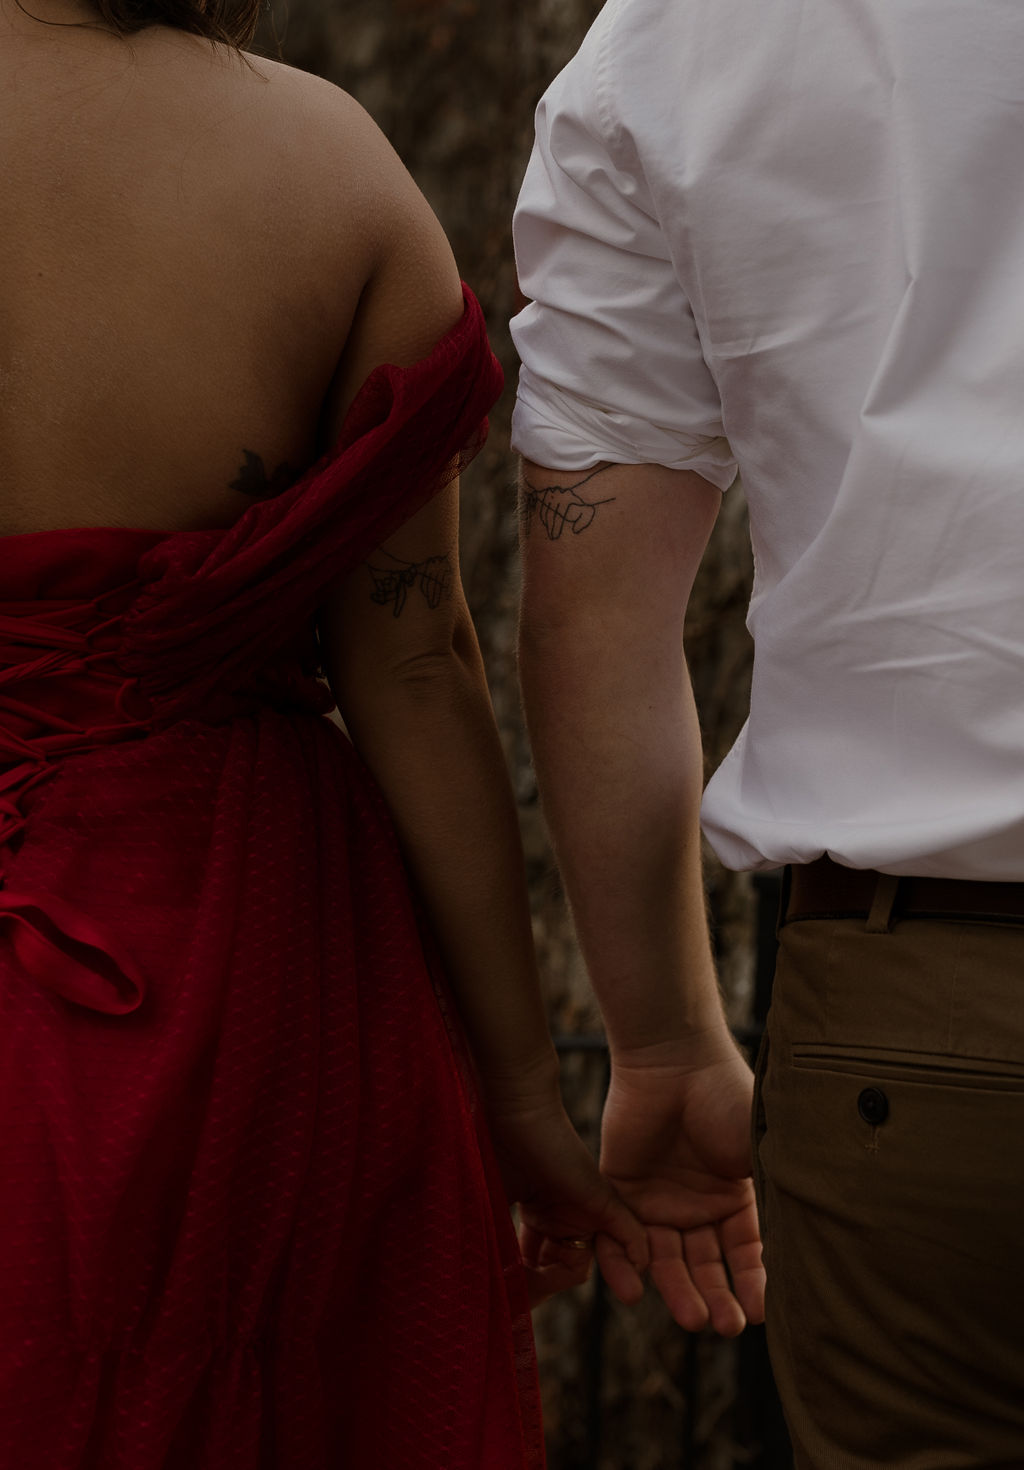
873	1106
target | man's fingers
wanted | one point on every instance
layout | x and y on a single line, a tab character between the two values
748	1281
741	1245
688	1270
671	1277
749	1289
704	1258
621	1225
622	1277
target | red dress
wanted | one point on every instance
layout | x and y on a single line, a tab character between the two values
247	1217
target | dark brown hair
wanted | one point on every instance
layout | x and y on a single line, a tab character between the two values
232	21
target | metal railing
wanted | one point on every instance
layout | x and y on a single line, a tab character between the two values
758	1431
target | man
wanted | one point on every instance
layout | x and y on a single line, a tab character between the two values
790	239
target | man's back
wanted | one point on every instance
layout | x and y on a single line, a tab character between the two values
821	213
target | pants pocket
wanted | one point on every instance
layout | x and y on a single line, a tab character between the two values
910	1067
893	1182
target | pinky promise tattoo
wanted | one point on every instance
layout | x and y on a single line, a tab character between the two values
558	506
392	584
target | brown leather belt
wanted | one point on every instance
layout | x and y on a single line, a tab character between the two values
824	890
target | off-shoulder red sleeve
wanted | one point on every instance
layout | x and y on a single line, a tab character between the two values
213	598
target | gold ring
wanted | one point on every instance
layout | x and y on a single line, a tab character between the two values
578	1242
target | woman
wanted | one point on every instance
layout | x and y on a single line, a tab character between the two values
250	1215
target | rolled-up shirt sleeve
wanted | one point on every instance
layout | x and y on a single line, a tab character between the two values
612	367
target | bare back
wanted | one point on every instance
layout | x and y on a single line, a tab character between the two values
200	259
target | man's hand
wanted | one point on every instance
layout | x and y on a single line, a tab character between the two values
676	1146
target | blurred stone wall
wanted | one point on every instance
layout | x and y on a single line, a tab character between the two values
453	83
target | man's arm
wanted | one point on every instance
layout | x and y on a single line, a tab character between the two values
609	560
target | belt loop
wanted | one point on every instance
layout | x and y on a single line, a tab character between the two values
880	916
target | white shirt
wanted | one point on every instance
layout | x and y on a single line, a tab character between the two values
790	237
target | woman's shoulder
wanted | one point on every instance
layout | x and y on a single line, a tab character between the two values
298	101
286	116
411	294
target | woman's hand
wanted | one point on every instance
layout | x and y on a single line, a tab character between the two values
676	1146
564	1204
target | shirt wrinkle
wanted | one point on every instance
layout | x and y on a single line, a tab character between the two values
802	227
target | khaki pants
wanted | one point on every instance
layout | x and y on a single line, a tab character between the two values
889	1165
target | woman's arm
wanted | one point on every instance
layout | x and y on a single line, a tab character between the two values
406	670
410	684
409	679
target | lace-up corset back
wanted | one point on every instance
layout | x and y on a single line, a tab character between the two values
64	693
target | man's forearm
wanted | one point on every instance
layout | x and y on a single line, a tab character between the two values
620	778
615	735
